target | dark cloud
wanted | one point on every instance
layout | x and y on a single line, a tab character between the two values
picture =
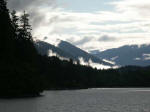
33	7
54	19
106	38
60	19
83	41
45	38
29	4
87	39
36	18
19	4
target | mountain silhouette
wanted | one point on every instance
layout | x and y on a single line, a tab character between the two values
127	55
66	50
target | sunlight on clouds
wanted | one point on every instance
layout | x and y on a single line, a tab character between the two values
128	29
138	9
128	23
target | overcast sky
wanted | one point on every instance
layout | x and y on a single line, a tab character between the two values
89	24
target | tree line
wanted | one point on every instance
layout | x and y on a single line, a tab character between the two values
24	72
19	65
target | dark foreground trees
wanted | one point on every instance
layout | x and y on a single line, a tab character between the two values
19	72
65	75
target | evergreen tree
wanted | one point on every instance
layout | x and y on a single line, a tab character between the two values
15	22
25	27
19	71
3	7
6	30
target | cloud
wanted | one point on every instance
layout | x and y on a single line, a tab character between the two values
146	56
128	23
116	40
140	8
20	4
92	64
106	38
83	41
38	10
29	4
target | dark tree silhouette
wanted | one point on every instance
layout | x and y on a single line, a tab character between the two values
3	7
19	71
25	27
15	22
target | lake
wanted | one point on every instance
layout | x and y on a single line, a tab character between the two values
90	100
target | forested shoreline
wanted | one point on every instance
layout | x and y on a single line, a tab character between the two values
24	72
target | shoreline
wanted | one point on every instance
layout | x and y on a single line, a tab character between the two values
66	89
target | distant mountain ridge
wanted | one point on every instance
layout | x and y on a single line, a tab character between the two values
127	55
44	48
77	52
67	50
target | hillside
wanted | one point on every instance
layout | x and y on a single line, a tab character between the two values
67	50
127	55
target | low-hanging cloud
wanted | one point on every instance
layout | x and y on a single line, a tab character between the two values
83	41
106	38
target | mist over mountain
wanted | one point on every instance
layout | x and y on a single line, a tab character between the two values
66	50
126	55
45	48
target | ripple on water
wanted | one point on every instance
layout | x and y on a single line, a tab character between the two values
90	100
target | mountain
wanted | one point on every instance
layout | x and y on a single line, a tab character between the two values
127	55
66	50
45	48
78	53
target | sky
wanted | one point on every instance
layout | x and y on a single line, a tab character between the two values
89	24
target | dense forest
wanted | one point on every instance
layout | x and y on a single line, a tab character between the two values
24	72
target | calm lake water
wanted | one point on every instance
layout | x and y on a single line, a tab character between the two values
91	100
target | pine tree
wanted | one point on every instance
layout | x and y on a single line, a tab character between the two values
3	6
18	59
25	27
3	17
6	30
15	22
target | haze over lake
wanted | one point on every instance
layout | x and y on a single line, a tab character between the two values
90	100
